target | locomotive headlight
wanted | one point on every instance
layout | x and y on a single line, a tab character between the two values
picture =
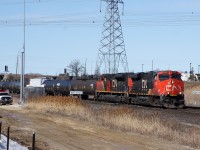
180	93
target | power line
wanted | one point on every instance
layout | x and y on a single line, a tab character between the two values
19	2
91	19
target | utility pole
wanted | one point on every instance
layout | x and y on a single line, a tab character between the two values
22	81
85	71
142	67
17	66
112	50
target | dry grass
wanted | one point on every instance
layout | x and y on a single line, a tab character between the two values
119	118
127	120
67	106
192	99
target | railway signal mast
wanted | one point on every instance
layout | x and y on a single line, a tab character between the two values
112	50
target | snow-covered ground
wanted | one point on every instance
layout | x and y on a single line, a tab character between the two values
12	146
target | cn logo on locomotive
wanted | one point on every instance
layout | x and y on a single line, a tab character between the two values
114	83
144	84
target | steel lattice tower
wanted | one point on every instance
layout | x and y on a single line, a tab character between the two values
112	50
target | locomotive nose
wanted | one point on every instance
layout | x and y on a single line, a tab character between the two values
172	88
168	88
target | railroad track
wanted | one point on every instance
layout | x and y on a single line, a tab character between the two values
188	116
192	109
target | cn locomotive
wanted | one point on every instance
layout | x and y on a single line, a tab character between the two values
162	88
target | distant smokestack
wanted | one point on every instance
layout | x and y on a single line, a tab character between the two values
6	68
65	71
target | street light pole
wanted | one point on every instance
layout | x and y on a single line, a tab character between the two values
23	61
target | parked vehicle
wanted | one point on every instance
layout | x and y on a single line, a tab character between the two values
5	97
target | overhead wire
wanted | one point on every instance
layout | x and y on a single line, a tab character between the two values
130	18
91	19
19	2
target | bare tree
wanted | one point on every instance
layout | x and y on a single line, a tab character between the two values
75	67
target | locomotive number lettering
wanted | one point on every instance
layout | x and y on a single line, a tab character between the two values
144	84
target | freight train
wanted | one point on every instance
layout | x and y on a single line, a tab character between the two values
162	88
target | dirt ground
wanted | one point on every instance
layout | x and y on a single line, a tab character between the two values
55	132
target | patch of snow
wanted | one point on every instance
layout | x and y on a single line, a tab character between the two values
12	144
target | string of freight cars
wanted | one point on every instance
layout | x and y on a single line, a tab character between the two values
154	88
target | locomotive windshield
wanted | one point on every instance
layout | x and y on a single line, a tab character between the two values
163	77
176	76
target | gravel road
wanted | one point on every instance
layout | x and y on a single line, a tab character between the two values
62	133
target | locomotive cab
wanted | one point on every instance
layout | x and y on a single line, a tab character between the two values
170	87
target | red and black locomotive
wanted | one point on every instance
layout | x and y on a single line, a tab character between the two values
163	88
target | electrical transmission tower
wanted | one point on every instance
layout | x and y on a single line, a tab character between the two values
112	50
